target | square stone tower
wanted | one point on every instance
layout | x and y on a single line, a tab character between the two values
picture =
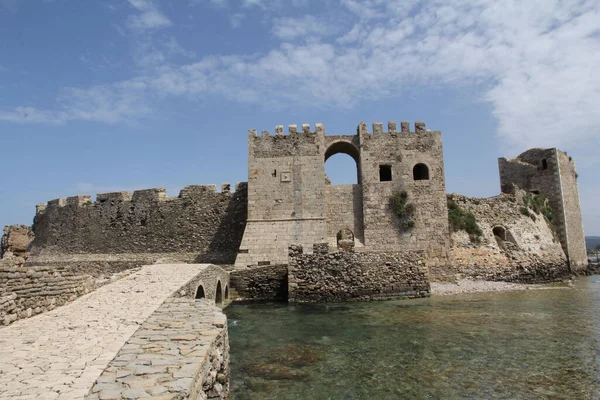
290	202
551	173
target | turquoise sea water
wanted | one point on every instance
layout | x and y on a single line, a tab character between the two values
534	344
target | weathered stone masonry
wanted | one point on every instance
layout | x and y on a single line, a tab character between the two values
289	200
261	283
200	225
180	352
349	276
15	241
514	247
27	291
551	173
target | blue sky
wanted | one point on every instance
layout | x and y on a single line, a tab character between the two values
123	95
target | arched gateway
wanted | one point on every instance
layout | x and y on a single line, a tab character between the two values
291	202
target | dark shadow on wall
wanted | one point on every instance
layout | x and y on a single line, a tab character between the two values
228	237
200	292
261	283
219	294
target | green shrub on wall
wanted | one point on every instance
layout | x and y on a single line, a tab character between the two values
538	204
403	209
461	220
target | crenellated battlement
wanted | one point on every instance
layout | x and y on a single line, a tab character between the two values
148	195
392	128
56	203
196	191
79	200
362	129
292	131
200	220
114	196
138	196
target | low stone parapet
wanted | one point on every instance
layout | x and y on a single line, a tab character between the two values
180	352
347	276
27	291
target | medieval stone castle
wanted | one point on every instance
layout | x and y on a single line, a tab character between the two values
148	325
288	208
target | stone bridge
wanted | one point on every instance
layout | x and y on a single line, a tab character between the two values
143	335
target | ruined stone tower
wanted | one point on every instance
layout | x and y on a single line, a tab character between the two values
551	173
289	201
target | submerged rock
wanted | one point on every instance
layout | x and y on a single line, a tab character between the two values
294	355
269	371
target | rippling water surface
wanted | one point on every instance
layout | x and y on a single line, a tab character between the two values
534	344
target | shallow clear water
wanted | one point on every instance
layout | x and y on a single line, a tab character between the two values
534	344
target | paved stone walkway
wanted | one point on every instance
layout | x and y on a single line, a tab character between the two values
59	354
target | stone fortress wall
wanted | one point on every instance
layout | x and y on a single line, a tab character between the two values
289	200
282	232
322	276
551	173
513	247
200	225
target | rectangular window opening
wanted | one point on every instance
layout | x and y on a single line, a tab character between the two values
385	173
544	164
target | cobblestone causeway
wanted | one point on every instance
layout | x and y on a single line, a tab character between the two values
59	354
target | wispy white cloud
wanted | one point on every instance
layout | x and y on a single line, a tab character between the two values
236	20
289	28
150	17
173	48
216	3
32	115
122	102
535	61
98	62
255	3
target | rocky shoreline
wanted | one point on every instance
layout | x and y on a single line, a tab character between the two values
477	286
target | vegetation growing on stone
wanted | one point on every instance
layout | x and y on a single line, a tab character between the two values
538	204
403	210
462	220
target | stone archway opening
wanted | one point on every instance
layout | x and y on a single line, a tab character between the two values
219	293
339	168
199	293
499	232
226	292
421	172
344	202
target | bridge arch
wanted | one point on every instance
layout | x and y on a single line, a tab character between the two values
200	294
219	293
